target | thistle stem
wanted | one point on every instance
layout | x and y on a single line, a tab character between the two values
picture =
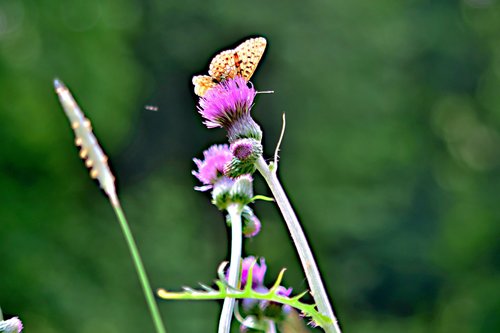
139	266
305	254
234	211
271	326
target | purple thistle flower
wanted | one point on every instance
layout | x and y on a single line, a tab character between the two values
259	270
211	168
226	102
228	105
256	310
12	325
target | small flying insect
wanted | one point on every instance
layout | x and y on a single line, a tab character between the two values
151	108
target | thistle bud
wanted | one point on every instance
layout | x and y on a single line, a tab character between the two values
222	192
251	224
242	189
245	152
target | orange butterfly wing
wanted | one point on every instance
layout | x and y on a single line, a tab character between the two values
222	66
202	83
243	61
248	55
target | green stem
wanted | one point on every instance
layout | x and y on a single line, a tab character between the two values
234	211
139	266
305	254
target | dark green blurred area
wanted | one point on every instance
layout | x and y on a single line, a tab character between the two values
391	157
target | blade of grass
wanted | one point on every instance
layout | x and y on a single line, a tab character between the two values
96	160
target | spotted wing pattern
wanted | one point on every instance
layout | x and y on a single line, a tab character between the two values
222	66
202	83
247	56
243	61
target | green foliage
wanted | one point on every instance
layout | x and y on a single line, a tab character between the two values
225	291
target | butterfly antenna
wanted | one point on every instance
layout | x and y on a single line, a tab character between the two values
266	92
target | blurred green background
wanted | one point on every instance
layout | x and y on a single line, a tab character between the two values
391	157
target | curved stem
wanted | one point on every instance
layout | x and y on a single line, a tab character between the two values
226	315
139	266
305	254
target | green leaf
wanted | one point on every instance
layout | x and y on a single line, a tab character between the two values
261	197
223	291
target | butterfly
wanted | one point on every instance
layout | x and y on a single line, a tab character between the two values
242	60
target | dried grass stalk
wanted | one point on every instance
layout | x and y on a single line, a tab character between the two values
90	151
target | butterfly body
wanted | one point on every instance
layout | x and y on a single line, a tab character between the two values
242	61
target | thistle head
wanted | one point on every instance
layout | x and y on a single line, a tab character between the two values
258	272
228	105
257	310
226	102
12	325
211	168
225	190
